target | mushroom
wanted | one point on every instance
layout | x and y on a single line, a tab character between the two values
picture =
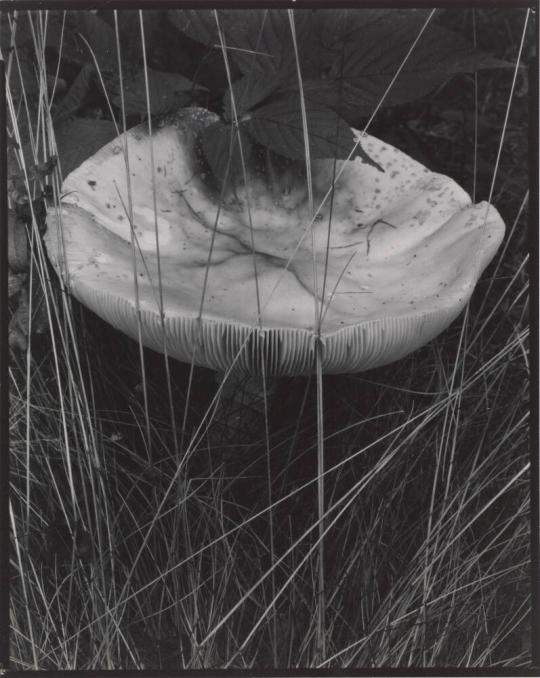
249	278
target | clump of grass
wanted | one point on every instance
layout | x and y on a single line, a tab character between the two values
132	551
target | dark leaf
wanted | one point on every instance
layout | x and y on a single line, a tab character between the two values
101	38
260	42
199	56
221	148
378	49
63	37
256	40
129	33
23	80
242	32
15	27
279	126
79	138
74	98
167	91
76	140
248	92
199	24
268	37
129	27
15	33
339	26
325	92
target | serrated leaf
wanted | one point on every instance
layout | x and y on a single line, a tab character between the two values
259	41
167	91
221	148
279	126
270	47
372	59
241	31
256	40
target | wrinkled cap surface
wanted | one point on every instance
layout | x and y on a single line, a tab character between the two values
256	277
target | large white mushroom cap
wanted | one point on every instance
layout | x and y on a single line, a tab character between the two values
404	252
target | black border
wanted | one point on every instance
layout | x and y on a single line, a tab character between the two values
534	274
4	385
11	5
278	673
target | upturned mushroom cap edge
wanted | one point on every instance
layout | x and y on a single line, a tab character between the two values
406	250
